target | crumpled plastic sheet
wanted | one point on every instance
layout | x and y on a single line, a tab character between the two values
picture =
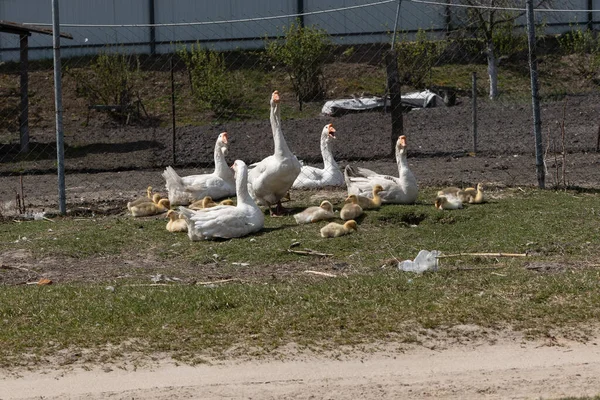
424	261
423	99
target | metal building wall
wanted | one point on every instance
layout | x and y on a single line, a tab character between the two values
357	25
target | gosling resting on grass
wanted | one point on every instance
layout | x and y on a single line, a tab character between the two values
448	203
315	213
351	209
475	195
145	209
333	229
366	203
176	222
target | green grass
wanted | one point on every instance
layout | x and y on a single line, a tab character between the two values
367	303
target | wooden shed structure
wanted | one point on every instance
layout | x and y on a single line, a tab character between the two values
24	31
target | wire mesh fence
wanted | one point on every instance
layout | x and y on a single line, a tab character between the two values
146	86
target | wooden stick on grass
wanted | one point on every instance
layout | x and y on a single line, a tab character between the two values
327	274
484	255
309	252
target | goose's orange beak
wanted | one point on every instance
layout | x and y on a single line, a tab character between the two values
332	131
224	137
275	96
402	140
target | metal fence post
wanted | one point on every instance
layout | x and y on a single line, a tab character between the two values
60	151
535	99
474	113
393	87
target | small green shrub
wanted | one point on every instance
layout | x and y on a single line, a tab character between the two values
302	52
417	58
584	52
112	80
212	86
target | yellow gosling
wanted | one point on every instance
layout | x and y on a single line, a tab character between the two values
448	203
475	195
333	229
145	209
367	203
315	213
351	209
176	222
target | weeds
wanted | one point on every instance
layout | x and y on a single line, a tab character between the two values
212	85
302	53
112	82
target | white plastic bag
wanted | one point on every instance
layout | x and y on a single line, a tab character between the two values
424	261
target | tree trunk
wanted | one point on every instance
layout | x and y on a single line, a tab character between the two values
492	70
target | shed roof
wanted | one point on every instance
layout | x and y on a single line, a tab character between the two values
16	28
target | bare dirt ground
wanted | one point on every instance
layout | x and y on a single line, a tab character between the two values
110	162
504	368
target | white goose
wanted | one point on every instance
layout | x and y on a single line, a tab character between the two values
219	184
330	175
225	221
272	178
398	190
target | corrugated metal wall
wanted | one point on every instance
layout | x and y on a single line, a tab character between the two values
356	25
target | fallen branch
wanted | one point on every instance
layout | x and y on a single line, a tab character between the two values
484	255
219	281
309	252
479	269
327	274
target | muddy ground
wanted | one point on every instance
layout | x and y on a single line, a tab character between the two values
115	162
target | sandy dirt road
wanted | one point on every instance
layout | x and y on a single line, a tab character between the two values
507	370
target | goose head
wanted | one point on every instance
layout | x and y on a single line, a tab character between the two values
149	192
351	225
401	143
222	142
329	131
227	202
352	199
275	98
326	205
377	189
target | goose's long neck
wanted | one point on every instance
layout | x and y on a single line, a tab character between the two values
280	146
401	161
327	154
241	186
221	167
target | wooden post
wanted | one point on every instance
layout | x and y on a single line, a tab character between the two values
24	108
393	81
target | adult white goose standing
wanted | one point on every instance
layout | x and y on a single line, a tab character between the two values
225	221
396	190
272	178
330	175
218	184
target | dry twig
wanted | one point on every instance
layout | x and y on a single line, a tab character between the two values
484	255
327	274
309	252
